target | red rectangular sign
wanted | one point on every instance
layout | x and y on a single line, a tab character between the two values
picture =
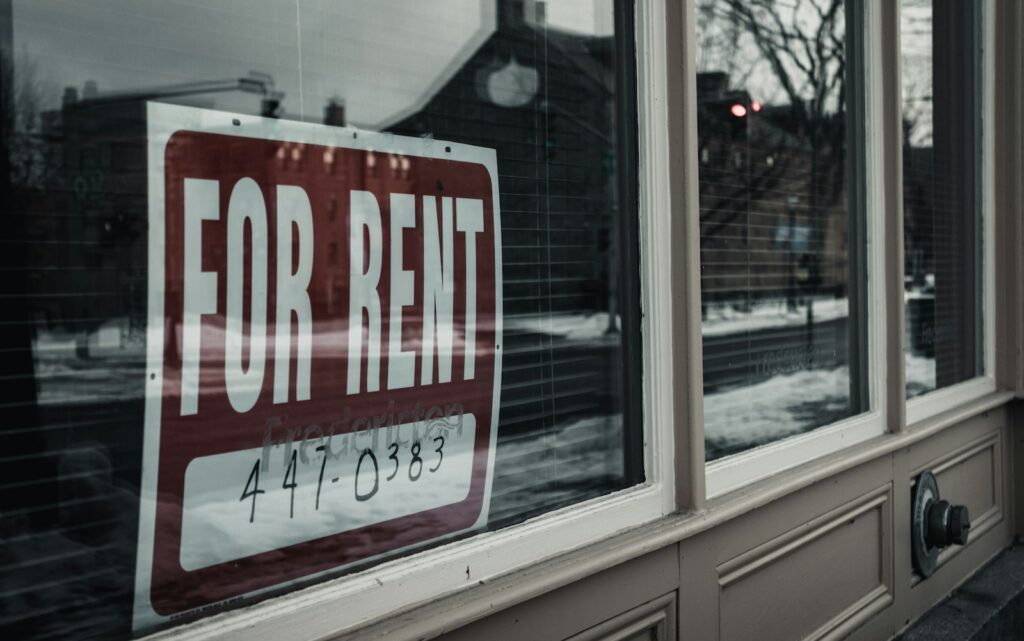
323	351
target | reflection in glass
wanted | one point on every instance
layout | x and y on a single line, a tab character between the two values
781	346
941	213
553	99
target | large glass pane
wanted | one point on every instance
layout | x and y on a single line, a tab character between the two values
228	162
782	295
941	205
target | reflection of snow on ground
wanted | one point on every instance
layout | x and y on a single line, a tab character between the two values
543	470
723	320
920	375
569	326
67	374
718	322
535	471
781	406
790	404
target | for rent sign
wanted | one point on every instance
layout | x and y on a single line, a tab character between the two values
323	351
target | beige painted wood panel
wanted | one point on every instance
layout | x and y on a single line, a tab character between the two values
653	621
810	581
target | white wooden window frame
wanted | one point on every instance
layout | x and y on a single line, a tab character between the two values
734	472
926	406
352	601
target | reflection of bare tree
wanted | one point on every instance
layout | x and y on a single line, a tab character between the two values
790	57
803	44
918	130
916	72
804	47
775	217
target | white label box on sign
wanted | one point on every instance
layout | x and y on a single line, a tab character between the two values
246	502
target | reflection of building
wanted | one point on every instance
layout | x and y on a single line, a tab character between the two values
774	228
549	113
572	150
102	193
774	212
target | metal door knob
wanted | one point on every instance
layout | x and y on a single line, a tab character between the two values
947	524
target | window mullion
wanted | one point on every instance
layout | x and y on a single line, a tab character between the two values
892	229
684	217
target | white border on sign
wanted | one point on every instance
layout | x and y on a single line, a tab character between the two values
162	121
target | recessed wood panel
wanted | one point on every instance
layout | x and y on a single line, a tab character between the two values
654	621
814	581
970	478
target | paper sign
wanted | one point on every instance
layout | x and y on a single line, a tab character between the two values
323	351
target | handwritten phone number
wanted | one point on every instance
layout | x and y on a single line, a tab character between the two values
414	469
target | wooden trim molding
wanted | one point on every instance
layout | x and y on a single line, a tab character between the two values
658	615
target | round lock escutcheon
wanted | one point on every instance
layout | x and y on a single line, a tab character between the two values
935	524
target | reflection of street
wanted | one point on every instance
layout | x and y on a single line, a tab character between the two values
769	373
757	345
921	332
80	367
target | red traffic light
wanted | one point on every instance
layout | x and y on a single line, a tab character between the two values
738	110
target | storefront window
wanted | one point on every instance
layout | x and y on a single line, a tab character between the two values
784	317
216	218
941	196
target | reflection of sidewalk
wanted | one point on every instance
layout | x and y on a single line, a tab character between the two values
725	320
